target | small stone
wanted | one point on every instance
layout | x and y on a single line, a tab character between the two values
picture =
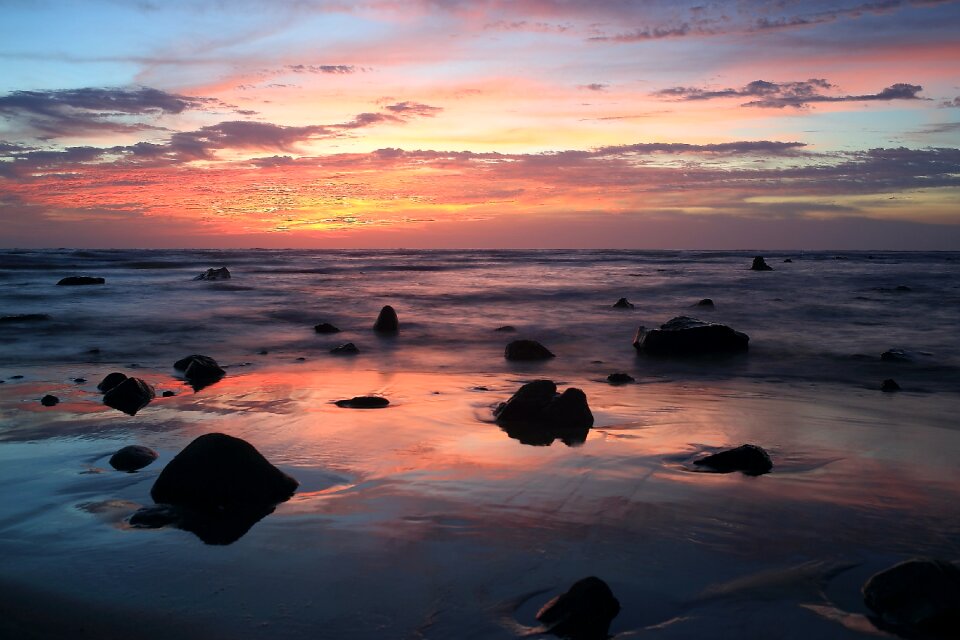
749	459
787	260
889	385
168	394
896	355
132	458
214	274
759	264
506	328
49	400
387	321
262	352
325	327
706	302
527	350
620	378
348	348
79	380
363	402
74	281
622	303
301	359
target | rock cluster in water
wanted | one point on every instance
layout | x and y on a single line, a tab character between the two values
527	350
536	414
684	335
584	612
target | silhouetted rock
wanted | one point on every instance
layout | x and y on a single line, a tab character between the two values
919	596
902	288
199	371
759	264
569	410
622	303
537	415
787	260
688	336
168	394
111	380
346	349
889	385
749	458
527	350
706	302
214	274
387	321
620	378
26	317
132	458
584	612
506	328
325	327
49	400
527	403
79	380
363	402
896	355
129	396
73	281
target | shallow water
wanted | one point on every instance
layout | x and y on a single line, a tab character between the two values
425	519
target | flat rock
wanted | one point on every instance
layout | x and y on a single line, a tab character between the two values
889	385
620	378
325	327
919	596
387	321
688	336
129	396
49	400
748	458
759	264
74	281
622	303
584	612
200	371
214	274
111	380
132	457
363	402
527	350
345	349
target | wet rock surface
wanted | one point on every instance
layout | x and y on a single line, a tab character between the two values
686	336
748	459
132	458
130	396
526	350
584	612
916	598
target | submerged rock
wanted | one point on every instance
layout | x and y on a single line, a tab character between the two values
363	402
347	348
49	400
622	303
896	355
748	458
73	281
584	612
132	458
200	371
111	380
507	328
889	385
325	327
527	350
706	302
387	321
759	264
129	396
536	414
919	596
620	378
25	317
214	274
689	336
787	260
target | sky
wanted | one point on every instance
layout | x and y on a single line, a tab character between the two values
647	124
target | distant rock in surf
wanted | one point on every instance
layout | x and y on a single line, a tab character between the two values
897	355
706	302
919	597
749	459
325	327
49	400
200	371
685	336
584	612
132	458
214	274
527	350
620	378
345	349
387	321
506	328
759	264
111	380
74	281
787	260
25	317
622	303
129	396
363	402
536	414
889	385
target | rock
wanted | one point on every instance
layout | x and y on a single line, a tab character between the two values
25	317
132	458
569	410
706	302
902	288
156	516
527	350
325	327
168	394
688	336
527	403
889	385
748	458
347	348
129	396
16	377
584	612
363	402
759	264
387	321
73	281
537	415
111	380
506	328
896	355
788	260
214	274
919	596
622	303
199	371
49	400
620	378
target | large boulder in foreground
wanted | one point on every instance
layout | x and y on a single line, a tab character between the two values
917	597
200	371
537	415
525	350
387	321
220	472
584	612
686	336
214	274
129	396
748	458
76	281
132	458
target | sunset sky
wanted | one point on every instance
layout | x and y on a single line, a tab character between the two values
533	123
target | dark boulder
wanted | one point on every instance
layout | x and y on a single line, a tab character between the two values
132	458
527	350
569	410
537	415
620	378
199	371
214	274
49	400
345	349
749	459
889	385
79	380
363	402
759	264
584	612
325	327
129	396
168	394
111	380
706	302
25	317
688	336
528	403
387	321
787	260
919	596
74	281
622	303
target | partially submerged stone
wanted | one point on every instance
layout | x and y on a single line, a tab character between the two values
129	396
214	274
684	336
325	327
49	400
584	612
748	458
345	349
75	281
200	371
620	378
706	302
537	415
896	355
132	458
622	303
363	402
507	328
111	380
889	385
387	321
919	596
25	317
759	264
525	350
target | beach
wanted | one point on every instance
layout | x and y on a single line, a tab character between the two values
427	519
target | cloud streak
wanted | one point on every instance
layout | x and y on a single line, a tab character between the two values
777	95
